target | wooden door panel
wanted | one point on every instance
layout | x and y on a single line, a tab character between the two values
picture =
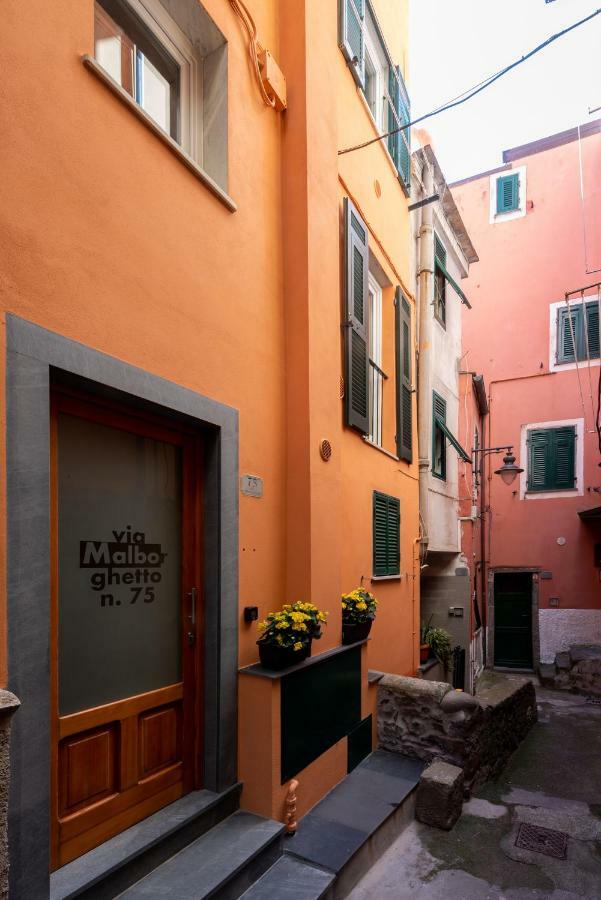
88	768
122	760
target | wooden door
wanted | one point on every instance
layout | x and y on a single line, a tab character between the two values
127	624
513	619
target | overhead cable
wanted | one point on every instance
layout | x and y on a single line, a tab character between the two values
471	92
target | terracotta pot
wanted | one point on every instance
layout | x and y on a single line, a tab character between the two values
355	631
275	658
424	653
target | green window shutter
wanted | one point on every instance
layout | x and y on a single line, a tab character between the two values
386	535
563	446
551	459
508	193
439	250
439	411
404	400
393	555
399	143
351	40
569	330
592	330
356	325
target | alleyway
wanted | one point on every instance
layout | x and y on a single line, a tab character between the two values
554	780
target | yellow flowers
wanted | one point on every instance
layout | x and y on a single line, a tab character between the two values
293	626
358	606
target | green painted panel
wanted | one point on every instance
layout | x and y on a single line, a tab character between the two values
513	619
359	743
320	704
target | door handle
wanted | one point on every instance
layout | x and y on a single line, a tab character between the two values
192	614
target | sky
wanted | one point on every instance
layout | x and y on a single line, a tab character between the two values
454	44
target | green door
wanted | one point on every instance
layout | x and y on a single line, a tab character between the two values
513	619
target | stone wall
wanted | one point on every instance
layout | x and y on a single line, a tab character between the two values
8	705
428	720
577	669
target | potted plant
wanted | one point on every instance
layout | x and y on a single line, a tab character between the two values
287	635
424	647
440	643
358	612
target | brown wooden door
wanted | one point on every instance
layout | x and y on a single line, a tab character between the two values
127	620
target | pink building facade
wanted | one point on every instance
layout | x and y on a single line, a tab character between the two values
533	332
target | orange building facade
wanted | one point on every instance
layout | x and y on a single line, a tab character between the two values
210	385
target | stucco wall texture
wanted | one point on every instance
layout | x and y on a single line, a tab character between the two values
107	239
526	265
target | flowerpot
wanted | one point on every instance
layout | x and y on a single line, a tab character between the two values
275	658
355	631
424	653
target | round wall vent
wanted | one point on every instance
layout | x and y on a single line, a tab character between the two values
325	450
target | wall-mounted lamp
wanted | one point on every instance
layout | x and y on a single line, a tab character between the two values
507	471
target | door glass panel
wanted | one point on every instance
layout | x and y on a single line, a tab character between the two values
119	555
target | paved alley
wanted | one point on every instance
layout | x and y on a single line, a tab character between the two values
553	781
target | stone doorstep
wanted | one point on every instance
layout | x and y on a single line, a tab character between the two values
439	798
332	835
136	851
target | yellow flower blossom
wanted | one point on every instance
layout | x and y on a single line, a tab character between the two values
362	605
298	645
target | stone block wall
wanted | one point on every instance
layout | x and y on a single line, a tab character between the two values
8	705
577	669
428	720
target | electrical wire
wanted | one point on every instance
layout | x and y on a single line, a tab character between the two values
254	47
475	89
575	348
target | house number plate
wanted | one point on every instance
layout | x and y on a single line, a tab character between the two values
251	485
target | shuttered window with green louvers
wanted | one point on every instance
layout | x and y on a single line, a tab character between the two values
386	535
508	193
404	401
351	24
440	282
578	332
552	459
439	441
356	252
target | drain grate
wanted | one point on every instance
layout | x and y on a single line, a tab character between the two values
596	701
542	840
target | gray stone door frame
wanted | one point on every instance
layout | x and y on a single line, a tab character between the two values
490	624
34	358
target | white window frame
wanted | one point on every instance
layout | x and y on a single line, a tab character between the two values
578	489
179	46
374	293
518	213
555	366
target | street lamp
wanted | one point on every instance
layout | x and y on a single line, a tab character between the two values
507	471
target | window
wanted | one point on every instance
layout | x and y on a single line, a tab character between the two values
508	193
404	391
386	535
578	332
551	459
152	55
440	282
376	375
380	80
439	441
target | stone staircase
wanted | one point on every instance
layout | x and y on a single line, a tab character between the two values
204	846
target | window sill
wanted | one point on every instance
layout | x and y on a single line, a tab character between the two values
257	670
381	449
94	67
385	578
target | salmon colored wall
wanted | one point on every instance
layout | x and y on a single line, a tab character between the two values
525	265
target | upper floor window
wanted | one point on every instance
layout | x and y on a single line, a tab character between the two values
380	80
552	459
578	332
149	49
440	281
386	535
439	441
376	375
508	195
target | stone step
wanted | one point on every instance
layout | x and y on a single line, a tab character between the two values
107	870
290	879
222	864
358	819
